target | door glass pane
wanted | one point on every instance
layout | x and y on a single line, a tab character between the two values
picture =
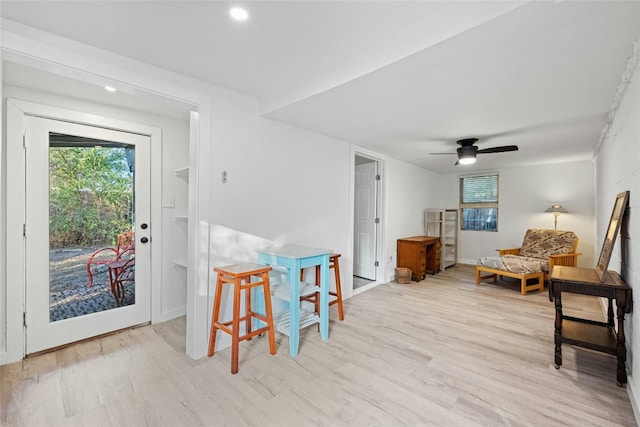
91	223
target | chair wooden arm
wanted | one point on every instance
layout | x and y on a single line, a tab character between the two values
569	260
509	251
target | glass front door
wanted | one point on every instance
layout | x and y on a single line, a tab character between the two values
87	210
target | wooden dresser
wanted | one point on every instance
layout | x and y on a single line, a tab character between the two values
419	254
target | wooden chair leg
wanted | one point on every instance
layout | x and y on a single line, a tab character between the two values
215	316
334	264
247	305
269	314
235	336
336	268
317	299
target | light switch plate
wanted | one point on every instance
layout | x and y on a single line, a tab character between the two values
168	202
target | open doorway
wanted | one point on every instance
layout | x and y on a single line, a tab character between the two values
64	299
366	222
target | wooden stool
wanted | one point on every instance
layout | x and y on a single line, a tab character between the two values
235	275
315	298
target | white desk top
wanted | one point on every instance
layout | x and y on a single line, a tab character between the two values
295	251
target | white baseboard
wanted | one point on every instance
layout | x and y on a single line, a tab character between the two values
633	399
172	314
6	358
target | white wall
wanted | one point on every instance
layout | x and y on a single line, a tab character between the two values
410	190
524	194
618	170
284	185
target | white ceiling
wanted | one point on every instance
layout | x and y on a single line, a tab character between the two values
402	78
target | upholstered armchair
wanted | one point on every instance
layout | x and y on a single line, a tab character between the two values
541	250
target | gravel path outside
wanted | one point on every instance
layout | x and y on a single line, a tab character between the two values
69	295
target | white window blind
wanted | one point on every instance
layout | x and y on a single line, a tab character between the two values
479	203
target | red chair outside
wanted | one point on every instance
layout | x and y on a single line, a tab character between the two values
121	272
125	248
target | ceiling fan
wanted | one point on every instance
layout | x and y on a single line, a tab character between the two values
467	151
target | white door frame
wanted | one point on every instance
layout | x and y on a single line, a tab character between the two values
42	332
17	111
365	268
82	62
381	200
43	50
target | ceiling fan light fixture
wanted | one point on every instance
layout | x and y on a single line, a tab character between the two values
466	155
239	13
467	160
468	151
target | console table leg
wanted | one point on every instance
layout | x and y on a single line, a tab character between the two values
557	337
610	313
621	352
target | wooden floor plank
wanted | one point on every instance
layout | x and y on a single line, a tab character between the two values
443	351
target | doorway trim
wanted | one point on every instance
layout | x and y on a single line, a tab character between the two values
381	203
17	111
75	60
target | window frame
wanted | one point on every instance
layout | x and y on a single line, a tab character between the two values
479	205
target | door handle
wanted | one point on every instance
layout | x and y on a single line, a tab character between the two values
144	226
144	240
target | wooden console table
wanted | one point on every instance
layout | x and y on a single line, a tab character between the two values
419	254
599	336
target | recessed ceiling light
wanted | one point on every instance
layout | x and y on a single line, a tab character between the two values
110	89
239	14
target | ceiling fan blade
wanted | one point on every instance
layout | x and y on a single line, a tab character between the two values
442	153
502	149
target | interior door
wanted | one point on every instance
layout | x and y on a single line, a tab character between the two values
84	186
366	226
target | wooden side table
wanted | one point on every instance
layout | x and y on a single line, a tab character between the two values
419	254
599	336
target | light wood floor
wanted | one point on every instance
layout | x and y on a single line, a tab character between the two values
440	352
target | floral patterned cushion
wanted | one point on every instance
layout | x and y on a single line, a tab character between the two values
532	264
491	262
536	248
514	264
541	244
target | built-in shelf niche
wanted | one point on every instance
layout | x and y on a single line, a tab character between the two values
181	219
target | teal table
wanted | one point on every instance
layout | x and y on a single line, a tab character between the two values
291	259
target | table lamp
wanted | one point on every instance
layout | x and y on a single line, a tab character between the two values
556	210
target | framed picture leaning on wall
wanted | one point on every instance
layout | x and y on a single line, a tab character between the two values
612	231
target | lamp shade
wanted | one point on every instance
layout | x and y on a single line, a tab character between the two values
556	209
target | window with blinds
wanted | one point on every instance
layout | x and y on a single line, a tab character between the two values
479	203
